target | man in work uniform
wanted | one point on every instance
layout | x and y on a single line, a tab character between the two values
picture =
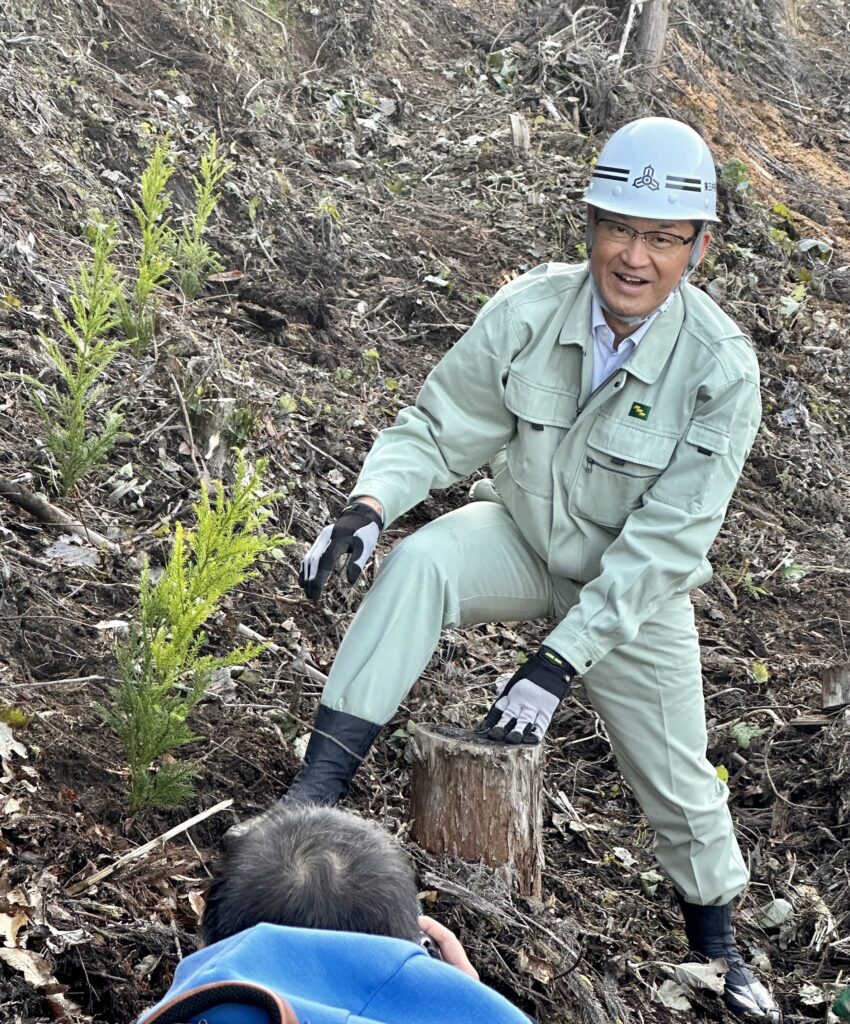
616	404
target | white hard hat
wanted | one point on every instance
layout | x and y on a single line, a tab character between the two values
658	168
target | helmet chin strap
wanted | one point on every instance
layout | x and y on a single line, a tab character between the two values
635	321
632	321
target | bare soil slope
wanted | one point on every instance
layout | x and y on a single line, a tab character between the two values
381	190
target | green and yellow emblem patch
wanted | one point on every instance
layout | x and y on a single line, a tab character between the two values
640	411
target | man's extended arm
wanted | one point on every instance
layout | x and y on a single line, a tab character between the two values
458	422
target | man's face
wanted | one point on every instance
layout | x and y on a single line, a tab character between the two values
632	278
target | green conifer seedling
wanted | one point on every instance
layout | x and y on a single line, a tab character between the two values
139	308
164	667
66	407
194	259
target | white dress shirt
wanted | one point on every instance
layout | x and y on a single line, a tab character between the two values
607	359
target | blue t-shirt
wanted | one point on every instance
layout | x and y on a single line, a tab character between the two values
331	977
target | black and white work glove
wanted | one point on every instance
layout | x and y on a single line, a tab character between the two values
355	534
524	709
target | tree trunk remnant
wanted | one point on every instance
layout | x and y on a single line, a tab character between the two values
652	31
479	800
835	685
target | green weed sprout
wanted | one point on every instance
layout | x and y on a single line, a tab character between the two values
163	669
194	259
139	308
66	408
735	172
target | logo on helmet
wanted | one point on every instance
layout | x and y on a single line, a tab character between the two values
647	179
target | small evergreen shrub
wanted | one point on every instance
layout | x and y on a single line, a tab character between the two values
193	258
163	667
67	408
139	307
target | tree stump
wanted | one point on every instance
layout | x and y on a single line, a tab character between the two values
479	800
835	683
652	32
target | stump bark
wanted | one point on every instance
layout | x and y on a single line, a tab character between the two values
836	687
652	32
479	800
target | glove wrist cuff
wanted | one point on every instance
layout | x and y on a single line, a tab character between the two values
365	510
556	662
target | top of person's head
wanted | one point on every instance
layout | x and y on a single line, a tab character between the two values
313	867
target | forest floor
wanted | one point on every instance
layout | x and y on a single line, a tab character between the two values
393	166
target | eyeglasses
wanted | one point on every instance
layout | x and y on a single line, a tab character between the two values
658	241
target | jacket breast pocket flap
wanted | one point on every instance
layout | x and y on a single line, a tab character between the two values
543	418
621	463
538	404
624	443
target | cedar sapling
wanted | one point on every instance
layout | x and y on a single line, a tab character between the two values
164	668
66	408
139	307
193	258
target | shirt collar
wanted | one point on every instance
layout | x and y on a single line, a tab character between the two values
598	321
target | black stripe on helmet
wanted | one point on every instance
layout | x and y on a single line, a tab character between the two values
611	177
684	188
613	170
679	177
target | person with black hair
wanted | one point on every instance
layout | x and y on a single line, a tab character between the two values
313	869
312	918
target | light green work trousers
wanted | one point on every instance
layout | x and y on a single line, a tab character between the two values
473	566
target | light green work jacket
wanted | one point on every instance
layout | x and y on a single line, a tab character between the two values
623	488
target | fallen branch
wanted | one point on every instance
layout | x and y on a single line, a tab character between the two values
47	513
77	680
141	851
193	451
628	29
299	662
271	17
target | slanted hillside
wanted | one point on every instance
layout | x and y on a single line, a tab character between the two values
393	165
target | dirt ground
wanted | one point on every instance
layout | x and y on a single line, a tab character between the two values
379	194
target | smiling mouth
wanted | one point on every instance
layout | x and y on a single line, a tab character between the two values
630	280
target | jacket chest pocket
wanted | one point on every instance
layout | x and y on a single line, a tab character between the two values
544	417
619	464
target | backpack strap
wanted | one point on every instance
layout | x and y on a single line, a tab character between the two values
203	998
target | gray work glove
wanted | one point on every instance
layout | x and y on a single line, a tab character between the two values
524	709
355	534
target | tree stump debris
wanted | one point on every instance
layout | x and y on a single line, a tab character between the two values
479	800
835	685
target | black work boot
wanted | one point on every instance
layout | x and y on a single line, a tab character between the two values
710	935
338	744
